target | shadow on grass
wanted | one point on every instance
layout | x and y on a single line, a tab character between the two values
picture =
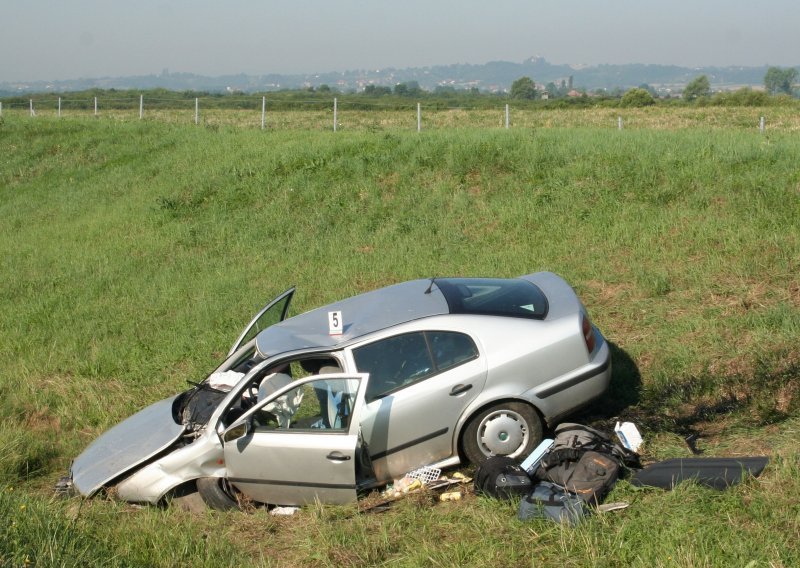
767	396
770	395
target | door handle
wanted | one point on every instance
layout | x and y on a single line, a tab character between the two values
458	389
337	456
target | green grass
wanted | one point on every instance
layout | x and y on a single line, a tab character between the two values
132	253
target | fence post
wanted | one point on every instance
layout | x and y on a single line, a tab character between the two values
196	110
1	108
762	124
507	121
141	107
263	112
95	106
335	112
419	117
619	123
59	107
33	112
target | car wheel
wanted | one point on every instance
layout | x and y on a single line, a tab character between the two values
510	429
216	493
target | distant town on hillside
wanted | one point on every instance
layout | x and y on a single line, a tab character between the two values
492	77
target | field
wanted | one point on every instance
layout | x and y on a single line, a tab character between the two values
372	116
134	251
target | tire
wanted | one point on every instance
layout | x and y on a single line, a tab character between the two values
214	494
508	428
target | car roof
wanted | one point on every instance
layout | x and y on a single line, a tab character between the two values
390	306
361	315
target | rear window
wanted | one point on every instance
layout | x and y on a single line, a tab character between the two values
494	296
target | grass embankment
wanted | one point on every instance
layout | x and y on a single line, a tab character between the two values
132	254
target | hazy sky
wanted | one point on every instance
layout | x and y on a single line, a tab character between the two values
67	39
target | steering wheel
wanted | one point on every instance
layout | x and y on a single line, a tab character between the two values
252	391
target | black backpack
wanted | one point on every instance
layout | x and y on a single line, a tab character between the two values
585	461
502	478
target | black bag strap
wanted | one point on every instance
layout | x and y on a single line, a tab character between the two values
549	502
553	499
557	457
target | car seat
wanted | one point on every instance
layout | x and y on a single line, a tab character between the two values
335	400
283	407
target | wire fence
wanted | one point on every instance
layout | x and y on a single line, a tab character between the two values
336	114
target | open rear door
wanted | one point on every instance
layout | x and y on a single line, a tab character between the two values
299	445
270	314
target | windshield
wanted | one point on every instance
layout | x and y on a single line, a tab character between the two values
494	296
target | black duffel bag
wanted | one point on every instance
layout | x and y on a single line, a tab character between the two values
502	478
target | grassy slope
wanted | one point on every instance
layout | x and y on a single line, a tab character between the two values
133	253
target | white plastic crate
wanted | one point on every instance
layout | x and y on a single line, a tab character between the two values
425	474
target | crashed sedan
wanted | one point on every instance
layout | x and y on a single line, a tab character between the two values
344	398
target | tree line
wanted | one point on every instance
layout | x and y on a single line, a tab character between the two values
524	93
777	81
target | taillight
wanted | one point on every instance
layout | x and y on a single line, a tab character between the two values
588	333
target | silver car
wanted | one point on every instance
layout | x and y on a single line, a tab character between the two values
344	398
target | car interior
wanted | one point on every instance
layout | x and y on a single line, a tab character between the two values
325	409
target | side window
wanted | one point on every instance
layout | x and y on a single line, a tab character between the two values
450	349
405	359
324	404
394	362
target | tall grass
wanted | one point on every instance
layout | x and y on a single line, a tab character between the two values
133	252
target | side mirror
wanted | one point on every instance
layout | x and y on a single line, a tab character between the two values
235	432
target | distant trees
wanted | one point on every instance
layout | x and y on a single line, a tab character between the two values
637	98
697	88
445	90
779	81
649	89
408	89
377	90
523	88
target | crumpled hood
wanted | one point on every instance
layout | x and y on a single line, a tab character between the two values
125	446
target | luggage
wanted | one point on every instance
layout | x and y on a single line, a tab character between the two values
502	478
591	477
585	461
571	440
551	501
718	473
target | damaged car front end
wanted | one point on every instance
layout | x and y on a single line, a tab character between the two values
169	443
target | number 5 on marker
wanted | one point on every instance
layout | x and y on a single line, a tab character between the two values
335	323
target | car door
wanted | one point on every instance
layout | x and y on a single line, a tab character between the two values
420	384
270	314
300	444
